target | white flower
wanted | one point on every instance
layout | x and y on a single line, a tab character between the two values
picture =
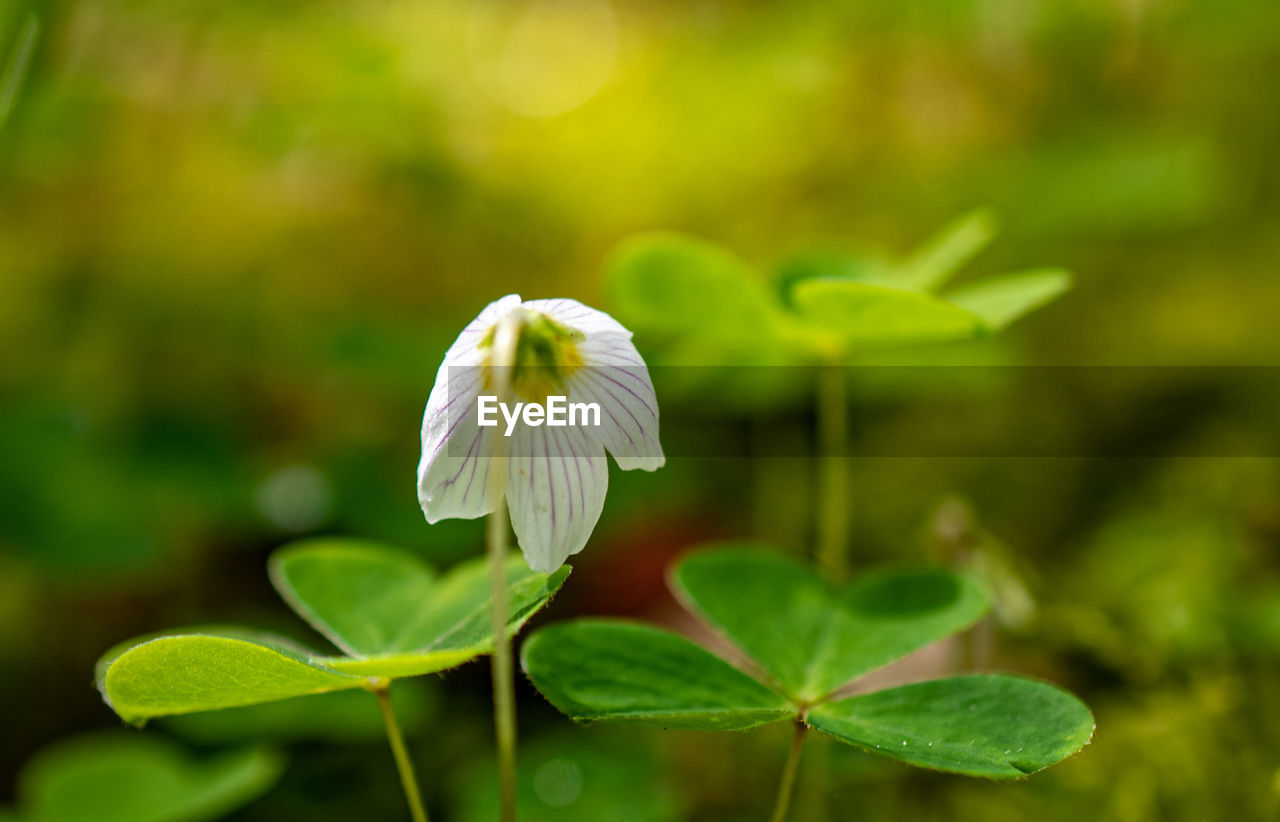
556	477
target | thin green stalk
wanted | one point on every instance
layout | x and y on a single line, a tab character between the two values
787	786
504	705
403	763
833	445
506	339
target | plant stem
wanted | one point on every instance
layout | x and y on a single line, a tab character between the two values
403	764
504	706
833	444
506	339
789	773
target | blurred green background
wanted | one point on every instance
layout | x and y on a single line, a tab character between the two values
236	239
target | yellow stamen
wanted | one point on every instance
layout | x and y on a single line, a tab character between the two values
544	355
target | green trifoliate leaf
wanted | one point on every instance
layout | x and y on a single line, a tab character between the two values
390	614
866	315
626	672
988	725
137	778
360	595
339	716
999	301
945	253
386	609
829	265
182	673
811	638
673	284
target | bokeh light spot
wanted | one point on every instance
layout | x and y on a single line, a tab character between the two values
558	783
295	498
541	58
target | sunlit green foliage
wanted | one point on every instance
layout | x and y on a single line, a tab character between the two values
383	608
807	641
810	638
234	237
823	307
982	725
336	717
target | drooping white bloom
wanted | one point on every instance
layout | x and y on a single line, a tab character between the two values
556	476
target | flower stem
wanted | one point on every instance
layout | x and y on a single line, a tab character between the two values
789	773
403	764
504	706
833	439
503	359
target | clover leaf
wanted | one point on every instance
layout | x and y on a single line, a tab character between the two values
803	643
627	672
811	638
998	301
338	716
115	778
824	306
388	613
991	725
669	283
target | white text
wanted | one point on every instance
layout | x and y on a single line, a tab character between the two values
557	412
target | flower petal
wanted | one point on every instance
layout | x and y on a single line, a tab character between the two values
453	475
466	348
556	486
453	471
578	316
615	377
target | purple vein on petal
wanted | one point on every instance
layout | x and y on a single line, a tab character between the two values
475	463
582	485
616	424
625	407
464	459
639	399
445	439
564	469
551	484
461	394
484	480
623	350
